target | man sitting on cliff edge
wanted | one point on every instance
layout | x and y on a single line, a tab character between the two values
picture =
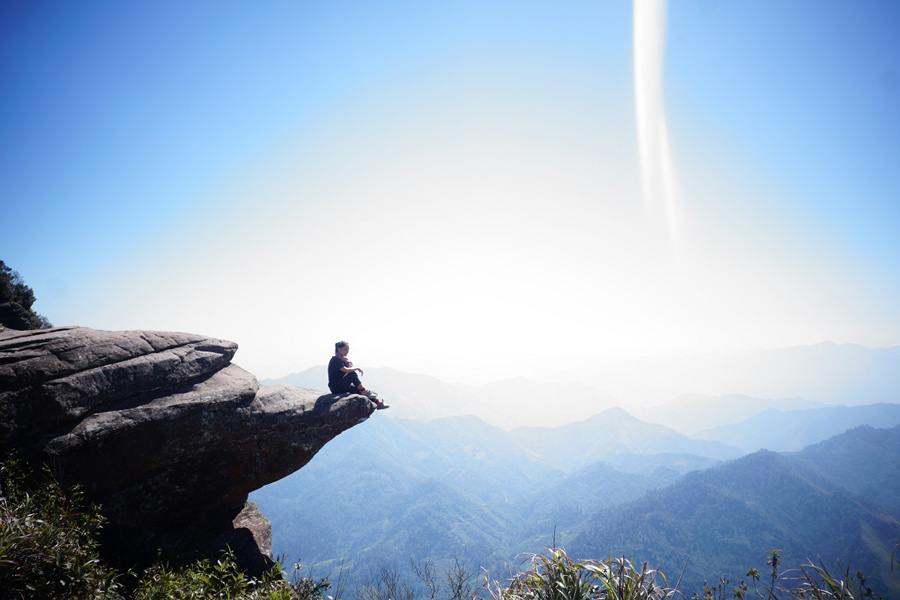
342	377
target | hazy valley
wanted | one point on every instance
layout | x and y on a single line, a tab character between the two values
408	487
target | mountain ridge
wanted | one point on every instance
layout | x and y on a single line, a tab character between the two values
790	377
743	507
788	431
578	444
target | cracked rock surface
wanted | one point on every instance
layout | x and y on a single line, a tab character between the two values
159	428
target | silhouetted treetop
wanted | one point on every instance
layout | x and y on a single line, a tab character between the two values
16	300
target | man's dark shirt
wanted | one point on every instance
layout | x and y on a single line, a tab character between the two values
334	372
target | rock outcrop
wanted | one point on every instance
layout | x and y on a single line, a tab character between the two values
161	430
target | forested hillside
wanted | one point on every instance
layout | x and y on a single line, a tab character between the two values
722	520
864	460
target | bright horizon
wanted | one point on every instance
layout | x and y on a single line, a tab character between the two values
470	190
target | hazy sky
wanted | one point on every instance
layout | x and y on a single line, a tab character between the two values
459	188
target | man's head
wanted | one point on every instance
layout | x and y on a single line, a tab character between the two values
342	348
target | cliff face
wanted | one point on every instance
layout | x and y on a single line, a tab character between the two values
162	431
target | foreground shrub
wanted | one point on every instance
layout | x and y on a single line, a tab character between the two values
204	579
555	576
811	582
48	541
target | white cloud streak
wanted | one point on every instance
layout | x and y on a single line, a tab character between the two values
657	168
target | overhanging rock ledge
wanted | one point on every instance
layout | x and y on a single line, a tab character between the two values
162	431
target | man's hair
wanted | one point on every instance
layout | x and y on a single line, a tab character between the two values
339	345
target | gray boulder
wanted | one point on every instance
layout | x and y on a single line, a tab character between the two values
161	430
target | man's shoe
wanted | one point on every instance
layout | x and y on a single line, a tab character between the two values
380	405
370	394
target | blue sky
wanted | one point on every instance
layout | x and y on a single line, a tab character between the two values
445	183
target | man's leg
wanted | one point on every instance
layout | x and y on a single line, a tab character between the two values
353	378
355	386
350	384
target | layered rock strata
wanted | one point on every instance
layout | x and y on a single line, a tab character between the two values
160	429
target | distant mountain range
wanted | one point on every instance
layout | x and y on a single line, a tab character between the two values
827	372
689	395
692	413
612	432
412	396
396	489
507	404
786	431
429	480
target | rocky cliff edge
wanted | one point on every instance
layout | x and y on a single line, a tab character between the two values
163	432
